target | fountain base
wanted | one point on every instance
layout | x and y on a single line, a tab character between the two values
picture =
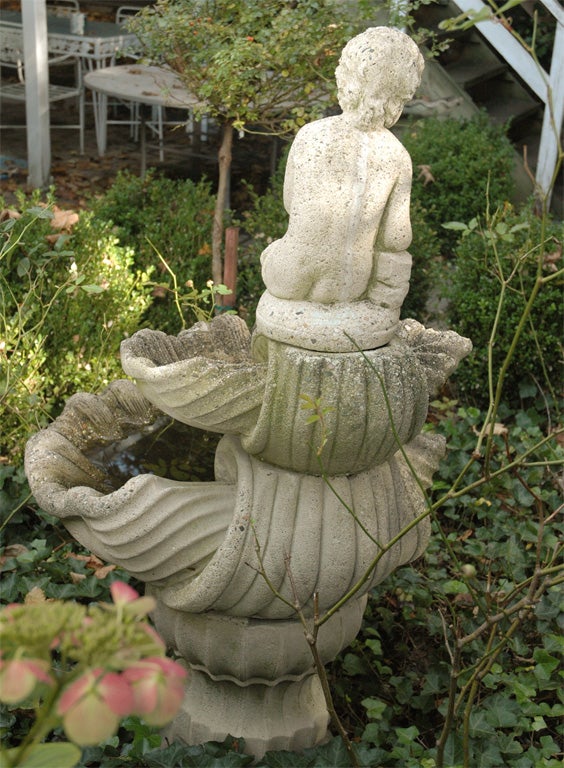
291	715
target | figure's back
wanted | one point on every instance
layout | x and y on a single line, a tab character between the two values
338	182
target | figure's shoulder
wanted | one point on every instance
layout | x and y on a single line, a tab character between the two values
313	139
396	149
323	127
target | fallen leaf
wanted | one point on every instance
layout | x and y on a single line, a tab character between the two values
15	550
63	220
425	174
35	596
9	213
551	259
76	578
101	573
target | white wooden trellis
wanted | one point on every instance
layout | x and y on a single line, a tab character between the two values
548	86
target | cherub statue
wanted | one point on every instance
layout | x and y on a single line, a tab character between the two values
347	185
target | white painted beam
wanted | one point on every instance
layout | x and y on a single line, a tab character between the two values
553	116
34	18
511	49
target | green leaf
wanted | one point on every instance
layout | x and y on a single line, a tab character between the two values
375	646
375	708
546	664
354	665
330	755
59	755
281	759
455	587
92	288
23	266
456	225
503	713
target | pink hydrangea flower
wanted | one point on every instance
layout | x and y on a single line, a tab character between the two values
93	705
19	677
126	597
122	593
158	688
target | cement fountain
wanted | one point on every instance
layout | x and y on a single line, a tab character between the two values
311	504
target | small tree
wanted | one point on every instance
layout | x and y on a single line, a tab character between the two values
265	65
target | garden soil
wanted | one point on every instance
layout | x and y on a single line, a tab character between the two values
77	178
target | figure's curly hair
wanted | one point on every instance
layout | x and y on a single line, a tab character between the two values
381	56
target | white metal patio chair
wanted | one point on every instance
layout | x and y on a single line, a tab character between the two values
157	120
62	7
123	13
11	57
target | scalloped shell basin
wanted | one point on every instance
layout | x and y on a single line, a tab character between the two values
216	377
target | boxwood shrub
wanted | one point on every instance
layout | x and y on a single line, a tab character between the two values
470	162
173	216
510	249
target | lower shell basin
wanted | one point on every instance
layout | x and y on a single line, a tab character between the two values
207	546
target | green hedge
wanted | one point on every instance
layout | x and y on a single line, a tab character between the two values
470	162
509	249
67	299
171	216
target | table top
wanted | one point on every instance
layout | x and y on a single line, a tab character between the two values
100	38
143	84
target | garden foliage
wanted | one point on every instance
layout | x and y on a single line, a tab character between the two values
498	261
269	63
470	161
69	293
156	215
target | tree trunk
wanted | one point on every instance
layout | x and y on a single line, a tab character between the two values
224	157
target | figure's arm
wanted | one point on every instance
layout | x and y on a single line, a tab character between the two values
289	180
394	233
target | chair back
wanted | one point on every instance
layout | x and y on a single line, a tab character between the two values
125	12
12	52
11	48
62	7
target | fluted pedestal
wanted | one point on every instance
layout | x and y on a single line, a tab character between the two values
253	677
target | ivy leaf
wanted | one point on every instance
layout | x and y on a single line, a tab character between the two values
58	755
281	759
375	708
455	587
330	755
546	664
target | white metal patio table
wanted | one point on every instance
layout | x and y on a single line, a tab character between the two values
99	46
146	85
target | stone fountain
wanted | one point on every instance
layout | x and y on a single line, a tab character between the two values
301	509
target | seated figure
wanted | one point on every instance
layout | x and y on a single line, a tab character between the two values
347	191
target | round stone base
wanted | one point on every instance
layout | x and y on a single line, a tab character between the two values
343	327
290	715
